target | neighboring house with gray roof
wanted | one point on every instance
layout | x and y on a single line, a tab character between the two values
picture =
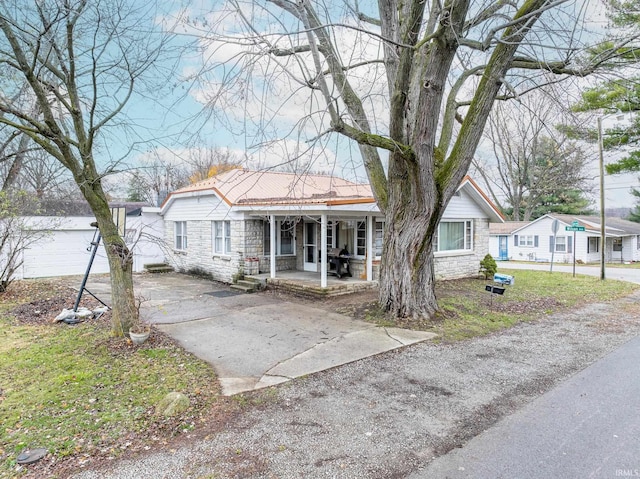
244	221
536	241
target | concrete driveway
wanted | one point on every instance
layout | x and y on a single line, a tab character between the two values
255	340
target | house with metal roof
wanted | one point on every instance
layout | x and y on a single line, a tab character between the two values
540	240
245	222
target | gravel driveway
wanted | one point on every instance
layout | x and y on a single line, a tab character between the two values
390	415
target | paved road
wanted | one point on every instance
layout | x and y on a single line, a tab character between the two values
631	275
588	427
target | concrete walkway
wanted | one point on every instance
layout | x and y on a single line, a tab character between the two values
256	340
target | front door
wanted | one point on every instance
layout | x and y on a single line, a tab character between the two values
310	247
503	247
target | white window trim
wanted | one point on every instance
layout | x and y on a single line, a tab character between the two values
226	240
375	234
555	244
467	249
279	238
183	235
525	244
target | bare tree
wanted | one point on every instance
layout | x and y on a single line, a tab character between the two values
207	162
424	95
533	160
415	78
69	67
155	178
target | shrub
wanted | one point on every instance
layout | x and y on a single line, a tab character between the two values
488	266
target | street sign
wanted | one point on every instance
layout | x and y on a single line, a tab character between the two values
554	226
575	223
574	228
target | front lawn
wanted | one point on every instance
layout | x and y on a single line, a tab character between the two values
84	395
467	310
87	397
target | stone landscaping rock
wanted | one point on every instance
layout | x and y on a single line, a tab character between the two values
173	404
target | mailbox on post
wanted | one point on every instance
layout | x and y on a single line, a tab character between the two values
503	279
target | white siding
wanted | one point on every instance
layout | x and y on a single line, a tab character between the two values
463	207
198	210
494	246
66	249
148	239
206	207
63	253
542	252
541	229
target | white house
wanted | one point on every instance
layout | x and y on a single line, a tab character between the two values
243	222
536	241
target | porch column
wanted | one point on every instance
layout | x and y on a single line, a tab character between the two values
323	250
272	252
370	233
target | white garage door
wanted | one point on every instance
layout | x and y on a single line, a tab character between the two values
63	253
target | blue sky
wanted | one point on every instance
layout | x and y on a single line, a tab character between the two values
175	121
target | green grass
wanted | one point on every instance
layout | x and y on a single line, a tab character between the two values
466	310
67	389
565	288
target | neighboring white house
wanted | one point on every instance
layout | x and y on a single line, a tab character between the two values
535	240
249	221
65	247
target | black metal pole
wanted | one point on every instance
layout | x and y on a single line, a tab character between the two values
94	250
574	254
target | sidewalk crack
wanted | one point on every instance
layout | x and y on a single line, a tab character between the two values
395	339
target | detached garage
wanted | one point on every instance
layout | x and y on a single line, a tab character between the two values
64	250
65	246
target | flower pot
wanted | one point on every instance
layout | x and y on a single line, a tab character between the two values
139	337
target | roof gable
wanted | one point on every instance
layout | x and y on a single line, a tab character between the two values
614	226
481	199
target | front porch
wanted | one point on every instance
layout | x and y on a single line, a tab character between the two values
305	283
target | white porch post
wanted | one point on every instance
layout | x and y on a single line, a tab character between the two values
370	233
323	250
272	252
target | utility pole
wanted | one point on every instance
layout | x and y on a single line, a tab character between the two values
602	215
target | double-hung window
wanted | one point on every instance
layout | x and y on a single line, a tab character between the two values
561	244
180	229
454	236
378	238
222	237
285	238
527	241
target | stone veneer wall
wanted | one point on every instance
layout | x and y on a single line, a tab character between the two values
199	256
247	243
465	264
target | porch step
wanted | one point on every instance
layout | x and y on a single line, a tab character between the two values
158	268
246	285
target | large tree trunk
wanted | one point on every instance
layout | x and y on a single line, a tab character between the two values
407	280
119	256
